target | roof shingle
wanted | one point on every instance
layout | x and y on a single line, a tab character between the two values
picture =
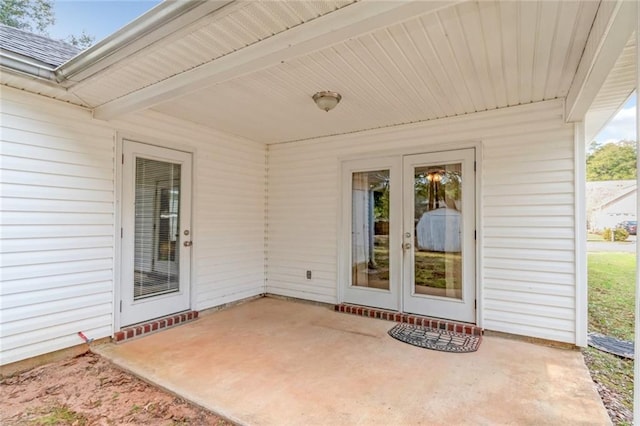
43	49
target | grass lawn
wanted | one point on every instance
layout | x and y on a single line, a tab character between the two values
594	237
611	294
611	306
432	269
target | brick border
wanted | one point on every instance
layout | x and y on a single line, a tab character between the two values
153	326
440	324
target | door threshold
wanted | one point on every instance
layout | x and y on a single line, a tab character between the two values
153	326
438	323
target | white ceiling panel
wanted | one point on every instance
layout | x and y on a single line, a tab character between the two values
473	56
618	86
239	25
620	83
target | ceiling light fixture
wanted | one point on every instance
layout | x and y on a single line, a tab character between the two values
327	100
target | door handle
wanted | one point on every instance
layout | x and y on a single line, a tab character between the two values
188	243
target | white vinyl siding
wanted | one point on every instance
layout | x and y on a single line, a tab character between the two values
57	218
527	263
58	212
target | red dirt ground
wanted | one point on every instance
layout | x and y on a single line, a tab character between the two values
88	390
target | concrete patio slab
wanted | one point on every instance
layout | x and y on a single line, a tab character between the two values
277	362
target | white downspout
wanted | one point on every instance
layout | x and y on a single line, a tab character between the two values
636	362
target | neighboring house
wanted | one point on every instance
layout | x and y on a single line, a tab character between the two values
182	164
610	202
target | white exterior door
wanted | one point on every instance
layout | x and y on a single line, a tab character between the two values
408	233
439	235
371	220
156	232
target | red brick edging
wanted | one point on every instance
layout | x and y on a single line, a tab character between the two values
409	319
155	325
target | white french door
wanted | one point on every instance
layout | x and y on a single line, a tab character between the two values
371	220
156	232
409	225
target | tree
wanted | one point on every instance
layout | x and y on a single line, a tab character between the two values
29	15
81	41
37	16
613	161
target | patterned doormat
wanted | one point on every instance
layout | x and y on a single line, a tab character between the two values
611	345
436	339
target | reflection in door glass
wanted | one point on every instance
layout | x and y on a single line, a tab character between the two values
370	229
438	230
156	228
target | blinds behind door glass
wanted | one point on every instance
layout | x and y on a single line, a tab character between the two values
157	231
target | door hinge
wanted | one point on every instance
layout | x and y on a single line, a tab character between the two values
475	303
475	165
121	233
122	158
475	235
121	306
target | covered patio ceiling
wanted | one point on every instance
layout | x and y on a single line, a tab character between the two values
250	68
457	60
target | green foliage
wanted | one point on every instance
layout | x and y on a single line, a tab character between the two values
28	15
594	237
37	16
82	41
446	191
619	234
61	415
613	161
381	202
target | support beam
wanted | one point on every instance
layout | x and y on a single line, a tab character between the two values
636	362
353	20
613	25
580	179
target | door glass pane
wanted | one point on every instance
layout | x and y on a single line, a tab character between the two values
157	210
370	229
438	230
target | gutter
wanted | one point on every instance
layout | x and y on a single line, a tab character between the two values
27	67
161	21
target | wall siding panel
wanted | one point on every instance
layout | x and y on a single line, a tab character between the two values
57	223
58	219
527	271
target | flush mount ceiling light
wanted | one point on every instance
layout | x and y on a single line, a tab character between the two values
327	100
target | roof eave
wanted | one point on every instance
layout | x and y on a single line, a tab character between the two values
162	20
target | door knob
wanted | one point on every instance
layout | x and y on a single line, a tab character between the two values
188	243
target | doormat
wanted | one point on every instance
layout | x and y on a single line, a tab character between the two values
436	339
611	345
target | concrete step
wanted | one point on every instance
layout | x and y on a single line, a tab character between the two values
153	326
424	321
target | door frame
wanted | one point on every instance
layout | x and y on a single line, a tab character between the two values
438	145
441	306
119	139
388	299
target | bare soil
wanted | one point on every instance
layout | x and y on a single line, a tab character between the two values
89	390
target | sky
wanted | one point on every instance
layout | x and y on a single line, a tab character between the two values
622	126
99	18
